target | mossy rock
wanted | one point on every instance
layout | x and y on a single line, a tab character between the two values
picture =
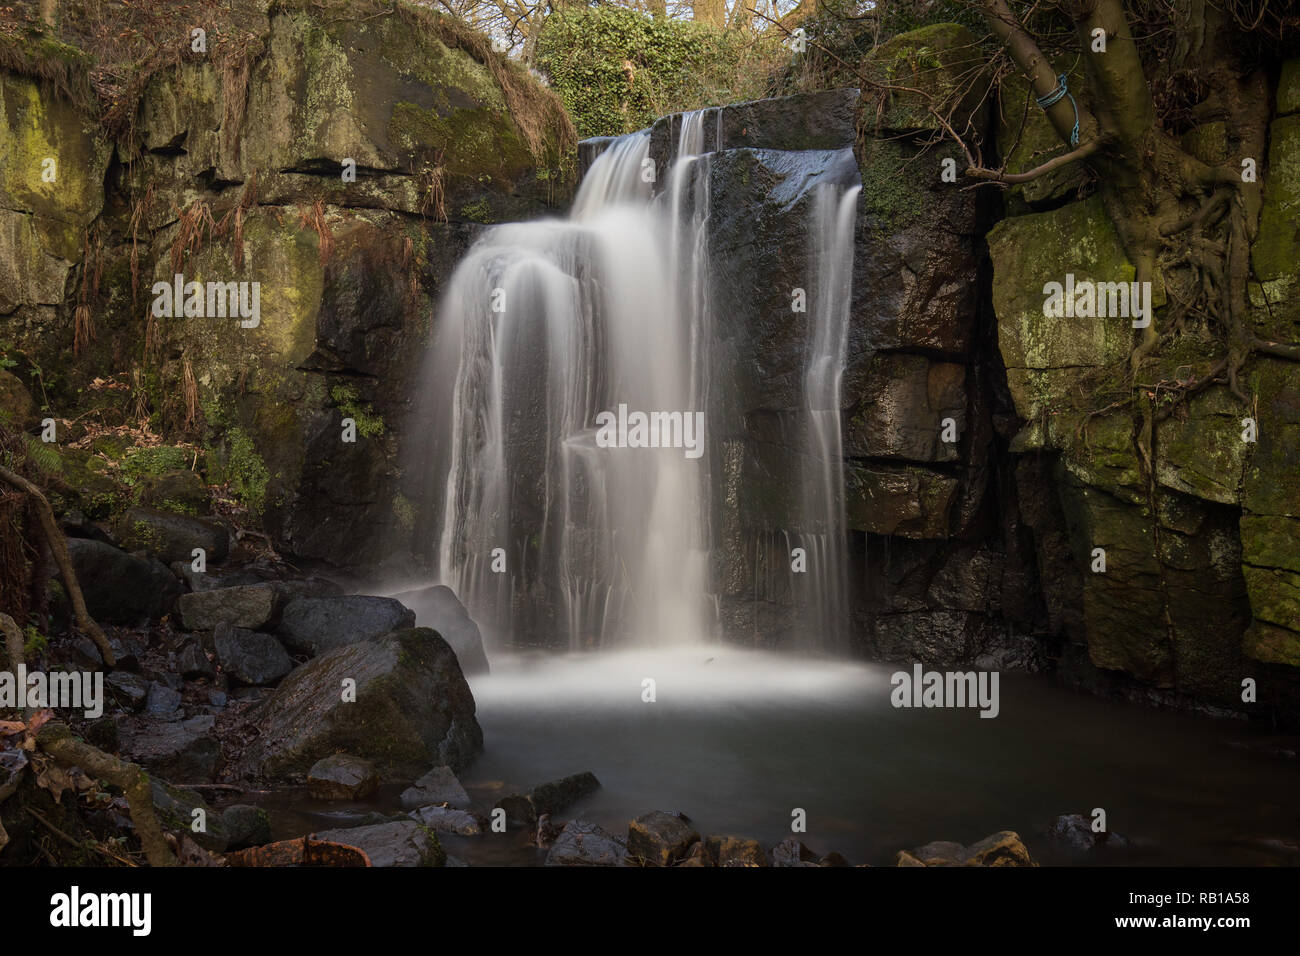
95	491
1200	452
1272	479
936	60
1276	250
1288	88
38	129
17	409
1031	251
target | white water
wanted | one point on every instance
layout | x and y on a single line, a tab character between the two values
545	325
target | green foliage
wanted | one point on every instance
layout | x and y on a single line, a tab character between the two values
245	471
34	642
141	462
349	402
900	16
617	70
44	455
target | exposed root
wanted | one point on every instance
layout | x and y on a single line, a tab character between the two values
59	546
57	740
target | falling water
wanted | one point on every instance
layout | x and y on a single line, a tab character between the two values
831	237
546	325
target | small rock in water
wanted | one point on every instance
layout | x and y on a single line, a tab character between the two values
523	809
1003	848
1074	830
448	820
342	777
736	851
400	843
439	785
790	852
659	839
582	843
246	826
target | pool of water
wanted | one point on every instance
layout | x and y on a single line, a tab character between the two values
739	739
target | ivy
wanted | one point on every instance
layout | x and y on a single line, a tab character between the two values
617	70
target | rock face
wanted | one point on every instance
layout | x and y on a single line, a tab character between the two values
442	134
412	709
439	608
310	625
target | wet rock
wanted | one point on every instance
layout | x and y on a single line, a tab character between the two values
735	851
246	826
130	691
1003	848
175	808
439	608
582	843
183	750
903	858
659	839
412	710
173	537
1074	830
161	700
251	606
400	843
449	820
121	588
313	625
342	777
439	785
523	809
791	852
249	657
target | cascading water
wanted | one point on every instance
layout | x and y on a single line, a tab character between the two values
547	326
831	236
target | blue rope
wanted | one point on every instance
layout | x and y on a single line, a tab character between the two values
1054	97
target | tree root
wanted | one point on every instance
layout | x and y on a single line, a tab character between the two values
57	740
59	547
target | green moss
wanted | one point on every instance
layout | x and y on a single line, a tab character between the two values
477	211
246	472
349	402
142	462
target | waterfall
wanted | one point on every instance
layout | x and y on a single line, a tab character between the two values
550	336
831	238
